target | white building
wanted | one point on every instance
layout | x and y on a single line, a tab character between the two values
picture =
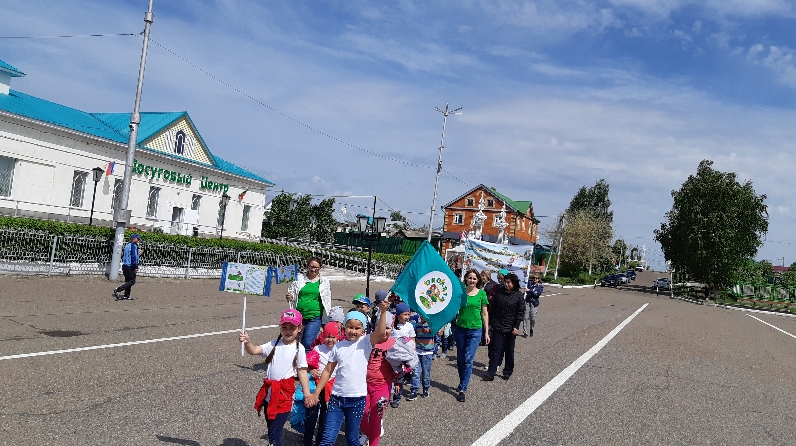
48	151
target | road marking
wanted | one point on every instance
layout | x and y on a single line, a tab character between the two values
125	344
775	328
554	294
506	426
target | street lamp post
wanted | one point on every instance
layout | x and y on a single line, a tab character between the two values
224	201
370	232
97	176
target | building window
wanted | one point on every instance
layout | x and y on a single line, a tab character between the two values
244	224
179	143
495	220
6	175
458	219
152	203
490	203
196	200
117	194
221	214
78	188
470	202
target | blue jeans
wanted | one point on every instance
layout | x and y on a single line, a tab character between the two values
423	370
339	408
275	426
312	328
467	341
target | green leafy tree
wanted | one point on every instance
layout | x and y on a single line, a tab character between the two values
594	200
619	250
714	227
282	222
586	240
789	278
396	216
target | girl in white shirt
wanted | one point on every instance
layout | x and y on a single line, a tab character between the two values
349	359
285	359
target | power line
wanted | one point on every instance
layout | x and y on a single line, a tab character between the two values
59	37
307	126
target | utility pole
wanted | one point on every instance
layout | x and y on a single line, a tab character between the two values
559	234
121	216
558	252
445	114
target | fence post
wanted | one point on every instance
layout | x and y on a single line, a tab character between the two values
16	208
52	256
188	268
238	261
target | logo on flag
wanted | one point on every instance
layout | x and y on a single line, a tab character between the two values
429	287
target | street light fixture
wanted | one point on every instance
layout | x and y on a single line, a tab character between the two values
97	176
370	231
224	202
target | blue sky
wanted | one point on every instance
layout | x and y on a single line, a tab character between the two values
556	94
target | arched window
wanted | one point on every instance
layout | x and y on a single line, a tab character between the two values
179	143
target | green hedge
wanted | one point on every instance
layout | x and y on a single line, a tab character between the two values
76	229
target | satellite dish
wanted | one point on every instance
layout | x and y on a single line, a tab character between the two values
343	210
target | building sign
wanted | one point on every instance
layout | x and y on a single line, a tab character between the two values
169	175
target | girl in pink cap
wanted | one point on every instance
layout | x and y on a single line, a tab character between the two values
285	359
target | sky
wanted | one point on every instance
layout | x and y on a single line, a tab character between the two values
338	97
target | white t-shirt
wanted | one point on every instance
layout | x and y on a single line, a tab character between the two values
405	330
352	367
281	366
323	358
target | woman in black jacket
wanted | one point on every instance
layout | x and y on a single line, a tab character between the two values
506	312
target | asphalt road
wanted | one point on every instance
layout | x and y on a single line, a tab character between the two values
677	373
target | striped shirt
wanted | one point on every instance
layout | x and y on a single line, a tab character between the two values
424	338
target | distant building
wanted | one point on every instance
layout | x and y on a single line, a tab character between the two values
522	227
48	151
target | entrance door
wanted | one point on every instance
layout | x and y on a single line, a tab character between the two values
177	217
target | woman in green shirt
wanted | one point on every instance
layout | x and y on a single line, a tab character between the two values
467	331
311	295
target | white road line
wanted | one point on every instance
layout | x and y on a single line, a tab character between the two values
125	344
548	295
775	328
506	426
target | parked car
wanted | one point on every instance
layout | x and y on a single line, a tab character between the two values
662	284
630	274
639	268
623	278
610	280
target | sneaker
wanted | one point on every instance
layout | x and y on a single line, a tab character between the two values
412	396
460	397
505	377
424	394
127	298
363	440
530	333
525	335
444	355
396	401
115	295
488	378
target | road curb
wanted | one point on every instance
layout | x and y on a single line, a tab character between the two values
556	285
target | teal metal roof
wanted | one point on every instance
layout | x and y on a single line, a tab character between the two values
9	69
111	126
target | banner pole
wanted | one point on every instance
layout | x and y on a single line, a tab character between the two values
244	324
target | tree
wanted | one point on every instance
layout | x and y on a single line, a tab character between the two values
619	250
586	239
281	222
396	216
789	278
594	200
714	227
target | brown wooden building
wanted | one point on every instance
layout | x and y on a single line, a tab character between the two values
522	227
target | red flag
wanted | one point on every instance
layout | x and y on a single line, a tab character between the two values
109	169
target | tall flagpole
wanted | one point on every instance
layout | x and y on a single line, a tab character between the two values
121	216
445	114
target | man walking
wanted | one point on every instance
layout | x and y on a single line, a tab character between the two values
129	268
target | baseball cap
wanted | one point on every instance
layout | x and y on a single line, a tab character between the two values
290	316
402	308
132	236
380	296
361	298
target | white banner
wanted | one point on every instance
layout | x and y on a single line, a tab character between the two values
481	255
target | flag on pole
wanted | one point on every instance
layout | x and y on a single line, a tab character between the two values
109	169
430	288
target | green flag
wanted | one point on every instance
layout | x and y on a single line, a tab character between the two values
430	288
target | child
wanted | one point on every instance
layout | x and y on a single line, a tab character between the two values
403	329
379	378
317	414
362	304
285	359
350	359
425	352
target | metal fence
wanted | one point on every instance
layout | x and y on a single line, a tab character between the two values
35	252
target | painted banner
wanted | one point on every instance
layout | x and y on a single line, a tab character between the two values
481	255
243	278
287	273
430	288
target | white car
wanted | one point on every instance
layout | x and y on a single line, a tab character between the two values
639	268
662	283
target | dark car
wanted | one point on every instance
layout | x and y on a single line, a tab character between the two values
611	280
630	274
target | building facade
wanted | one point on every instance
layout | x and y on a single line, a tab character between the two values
48	151
522	227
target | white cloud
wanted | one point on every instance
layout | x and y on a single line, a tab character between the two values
779	59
